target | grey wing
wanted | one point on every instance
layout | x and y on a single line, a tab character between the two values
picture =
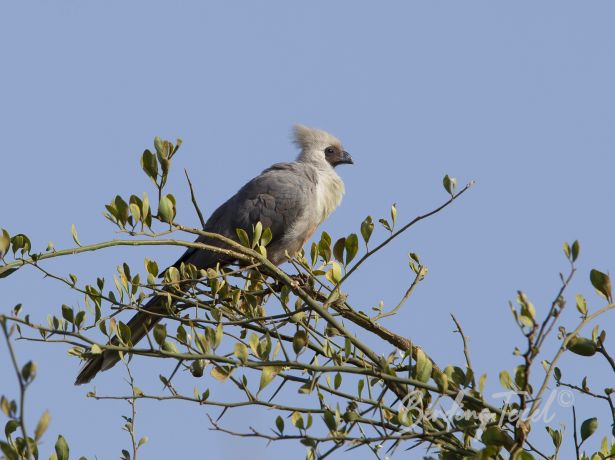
277	198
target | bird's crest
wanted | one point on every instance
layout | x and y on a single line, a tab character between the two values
313	139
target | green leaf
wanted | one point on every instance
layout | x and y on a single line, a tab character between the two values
267	375
61	447
337	381
505	380
556	436
338	250
243	237
5	243
150	165
575	250
135	212
352	247
9	452
121	209
279	423
481	383
5	271
423	366
28	372
202	343
166	209
151	267
169	347
385	224
146	212
160	333
329	418
165	165
582	346
602	283
522	455
197	367
10	427
79	317
123	333
254	342
160	147
313	253
300	340
21	243
367	227
324	247
241	351
334	275
267	237
221	373
42	425
557	373
73	231
264	347
450	183
588	427
456	374
258	231
218	335
581	305
297	420
67	313
494	436
178	144
360	386
172	276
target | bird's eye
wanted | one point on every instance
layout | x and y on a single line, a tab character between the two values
329	151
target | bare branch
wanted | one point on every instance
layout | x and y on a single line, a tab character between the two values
194	202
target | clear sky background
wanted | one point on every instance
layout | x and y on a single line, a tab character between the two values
518	96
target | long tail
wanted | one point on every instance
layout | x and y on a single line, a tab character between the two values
139	325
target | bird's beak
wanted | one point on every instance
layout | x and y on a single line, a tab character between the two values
345	159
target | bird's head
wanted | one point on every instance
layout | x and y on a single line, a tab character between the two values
320	147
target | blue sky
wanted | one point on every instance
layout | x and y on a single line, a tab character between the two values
517	96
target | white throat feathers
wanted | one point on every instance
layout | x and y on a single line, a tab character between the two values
330	187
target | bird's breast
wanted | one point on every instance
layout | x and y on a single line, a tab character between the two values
329	192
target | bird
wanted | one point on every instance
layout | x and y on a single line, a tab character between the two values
291	199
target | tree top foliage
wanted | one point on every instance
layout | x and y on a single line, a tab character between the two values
293	341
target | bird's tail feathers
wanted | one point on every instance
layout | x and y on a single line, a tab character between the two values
139	326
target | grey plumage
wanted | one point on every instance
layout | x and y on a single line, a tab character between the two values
292	199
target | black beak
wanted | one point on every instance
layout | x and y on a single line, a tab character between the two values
345	158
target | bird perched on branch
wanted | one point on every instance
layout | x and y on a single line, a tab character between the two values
292	199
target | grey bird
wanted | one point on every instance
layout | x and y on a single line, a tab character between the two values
292	199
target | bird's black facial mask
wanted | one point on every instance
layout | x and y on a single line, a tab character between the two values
336	156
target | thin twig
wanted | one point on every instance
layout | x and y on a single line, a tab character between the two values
194	202
574	427
608	357
545	327
402	230
419	277
130	426
22	388
466	350
559	353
